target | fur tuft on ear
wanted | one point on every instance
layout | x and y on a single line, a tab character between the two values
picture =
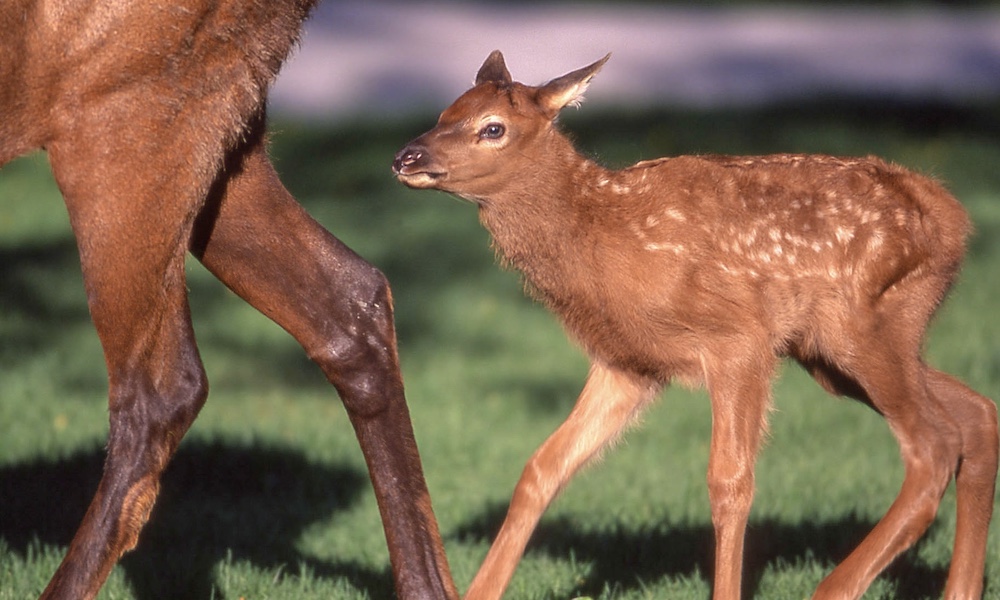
568	89
493	70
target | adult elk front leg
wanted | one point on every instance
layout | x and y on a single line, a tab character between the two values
256	239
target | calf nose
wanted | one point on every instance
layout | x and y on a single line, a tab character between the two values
406	157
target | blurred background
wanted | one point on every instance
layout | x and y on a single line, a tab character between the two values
268	496
399	58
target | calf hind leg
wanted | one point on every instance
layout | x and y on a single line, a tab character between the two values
895	383
976	417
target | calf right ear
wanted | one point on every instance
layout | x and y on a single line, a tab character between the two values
568	89
494	70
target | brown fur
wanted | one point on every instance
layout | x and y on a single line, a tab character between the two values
152	114
707	270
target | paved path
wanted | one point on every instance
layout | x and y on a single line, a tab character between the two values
401	57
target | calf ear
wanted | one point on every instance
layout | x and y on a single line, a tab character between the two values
493	70
568	89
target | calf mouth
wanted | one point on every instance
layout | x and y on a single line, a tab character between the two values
411	168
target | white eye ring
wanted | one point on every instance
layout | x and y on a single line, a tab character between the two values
492	131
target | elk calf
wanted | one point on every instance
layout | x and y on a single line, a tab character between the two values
708	269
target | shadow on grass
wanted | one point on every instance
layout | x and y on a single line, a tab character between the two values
205	510
624	560
218	502
35	298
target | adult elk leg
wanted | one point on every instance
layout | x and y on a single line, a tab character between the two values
256	239
609	401
132	256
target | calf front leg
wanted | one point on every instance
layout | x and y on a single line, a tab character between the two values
258	241
740	394
610	400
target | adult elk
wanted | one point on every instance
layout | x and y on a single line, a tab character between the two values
707	269
152	114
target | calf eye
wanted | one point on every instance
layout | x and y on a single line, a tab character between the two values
492	131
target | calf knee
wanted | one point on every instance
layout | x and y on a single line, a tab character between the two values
730	495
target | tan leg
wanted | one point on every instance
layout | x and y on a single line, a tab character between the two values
976	416
930	444
609	401
740	393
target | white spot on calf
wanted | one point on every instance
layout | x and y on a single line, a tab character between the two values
748	238
901	217
637	230
676	215
796	240
665	247
876	240
844	234
869	217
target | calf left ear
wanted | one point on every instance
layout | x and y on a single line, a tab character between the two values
568	89
493	70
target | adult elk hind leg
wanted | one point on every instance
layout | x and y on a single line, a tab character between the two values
256	239
128	213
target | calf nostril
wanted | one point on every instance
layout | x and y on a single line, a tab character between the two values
407	157
412	156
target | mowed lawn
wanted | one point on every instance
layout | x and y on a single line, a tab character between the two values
268	496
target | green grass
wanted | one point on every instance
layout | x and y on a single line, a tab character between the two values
268	496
